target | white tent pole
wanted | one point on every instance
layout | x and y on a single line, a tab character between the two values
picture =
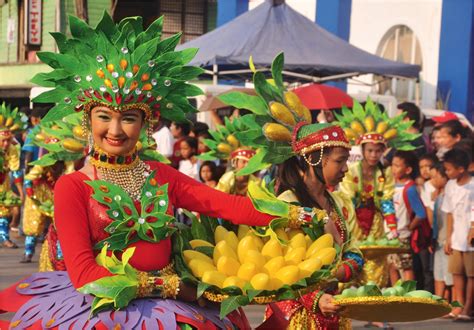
214	75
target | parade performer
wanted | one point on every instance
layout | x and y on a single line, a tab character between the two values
311	157
225	146
121	77
65	145
11	121
368	184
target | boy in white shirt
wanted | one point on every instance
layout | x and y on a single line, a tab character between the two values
458	204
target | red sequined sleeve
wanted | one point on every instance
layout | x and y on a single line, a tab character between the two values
194	196
71	199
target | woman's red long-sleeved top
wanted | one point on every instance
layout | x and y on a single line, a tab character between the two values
80	220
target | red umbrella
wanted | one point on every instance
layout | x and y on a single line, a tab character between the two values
316	97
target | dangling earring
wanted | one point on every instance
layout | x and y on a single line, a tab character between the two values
91	142
149	132
309	160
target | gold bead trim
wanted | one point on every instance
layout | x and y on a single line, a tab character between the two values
170	287
132	106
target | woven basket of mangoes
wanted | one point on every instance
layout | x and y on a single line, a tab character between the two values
241	265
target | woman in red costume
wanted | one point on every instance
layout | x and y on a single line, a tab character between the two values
120	77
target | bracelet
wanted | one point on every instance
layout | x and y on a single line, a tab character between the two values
317	298
170	286
146	285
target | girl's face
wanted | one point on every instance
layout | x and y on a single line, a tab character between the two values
114	132
425	168
446	140
334	165
372	152
202	148
240	163
186	150
436	137
206	173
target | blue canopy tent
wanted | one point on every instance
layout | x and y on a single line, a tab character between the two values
311	53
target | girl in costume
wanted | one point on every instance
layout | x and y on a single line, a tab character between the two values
367	183
120	77
64	147
225	146
11	121
311	156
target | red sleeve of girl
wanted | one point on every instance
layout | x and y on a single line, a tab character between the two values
194	196
71	218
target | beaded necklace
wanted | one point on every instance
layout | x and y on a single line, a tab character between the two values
337	218
128	172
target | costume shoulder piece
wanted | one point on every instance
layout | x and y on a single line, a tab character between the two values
370	124
120	66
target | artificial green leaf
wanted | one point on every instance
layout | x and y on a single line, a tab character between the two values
277	69
255	164
201	288
241	100
252	294
231	304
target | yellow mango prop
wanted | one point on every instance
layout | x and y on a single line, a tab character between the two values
199	267
273	265
295	255
322	242
191	254
232	240
246	244
242	231
247	271
219	234
199	242
293	232
225	250
298	241
214	277
288	274
261	281
228	265
308	267
326	255
255	257
272	249
233	281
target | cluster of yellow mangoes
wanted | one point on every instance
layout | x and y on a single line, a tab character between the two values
265	263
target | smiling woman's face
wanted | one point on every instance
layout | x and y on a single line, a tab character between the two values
116	133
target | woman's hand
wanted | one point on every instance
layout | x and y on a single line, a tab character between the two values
326	305
187	292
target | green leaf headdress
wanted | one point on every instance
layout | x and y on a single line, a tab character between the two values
225	145
11	120
370	124
120	66
282	124
63	139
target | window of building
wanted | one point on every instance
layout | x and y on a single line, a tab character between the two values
400	44
192	17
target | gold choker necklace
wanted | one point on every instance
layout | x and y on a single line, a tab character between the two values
128	172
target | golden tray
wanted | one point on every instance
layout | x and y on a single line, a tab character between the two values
263	300
392	309
374	251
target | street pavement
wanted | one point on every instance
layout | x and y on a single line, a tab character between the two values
11	271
